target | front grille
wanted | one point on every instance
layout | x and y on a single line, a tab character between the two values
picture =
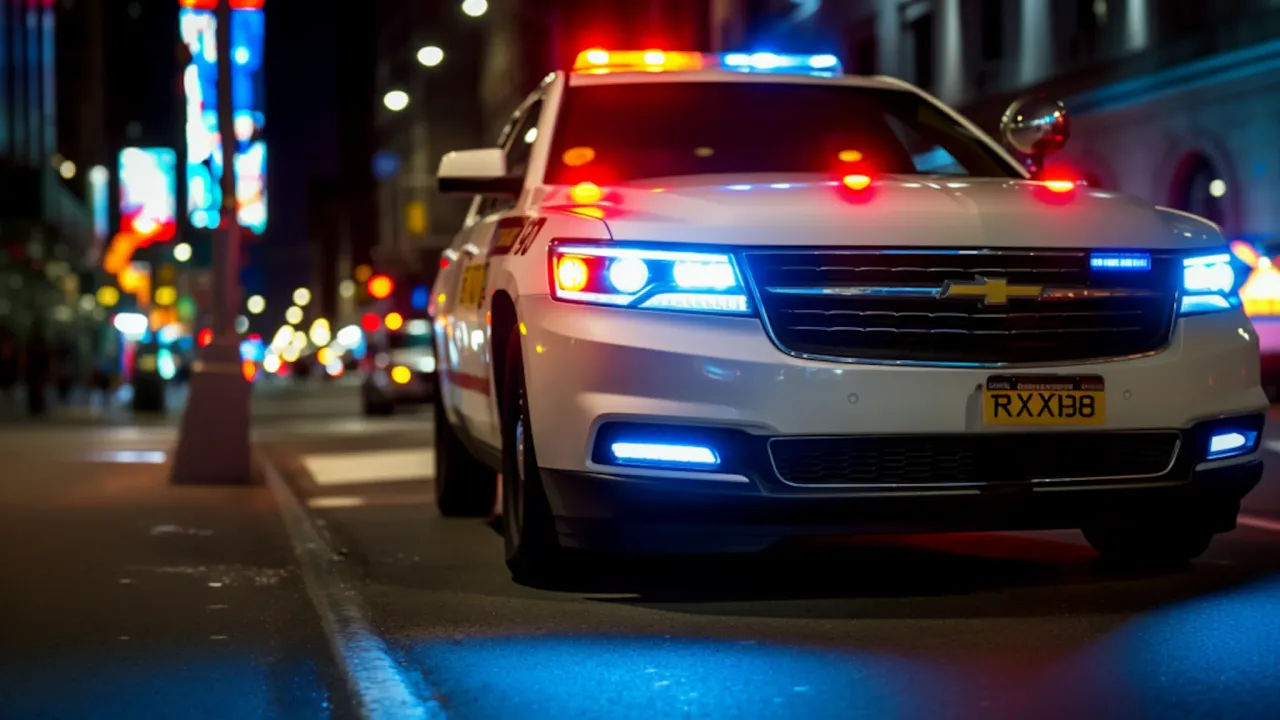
971	459
887	305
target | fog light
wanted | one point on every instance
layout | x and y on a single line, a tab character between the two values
677	455
1230	444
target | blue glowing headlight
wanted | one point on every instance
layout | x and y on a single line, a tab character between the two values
1230	443
1208	283
665	454
653	279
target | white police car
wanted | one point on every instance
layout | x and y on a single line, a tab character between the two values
705	302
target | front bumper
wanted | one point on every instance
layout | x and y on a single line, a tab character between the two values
588	367
627	514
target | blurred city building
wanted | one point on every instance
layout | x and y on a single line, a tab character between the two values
1174	100
447	80
51	145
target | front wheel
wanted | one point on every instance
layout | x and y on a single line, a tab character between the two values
1149	545
532	546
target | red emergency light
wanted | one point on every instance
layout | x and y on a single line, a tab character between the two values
213	4
599	60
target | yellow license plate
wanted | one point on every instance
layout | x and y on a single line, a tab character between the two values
1044	400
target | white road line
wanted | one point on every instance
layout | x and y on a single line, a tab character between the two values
378	687
327	502
137	457
1259	523
370	467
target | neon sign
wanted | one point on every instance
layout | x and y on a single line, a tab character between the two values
148	203
197	27
148	193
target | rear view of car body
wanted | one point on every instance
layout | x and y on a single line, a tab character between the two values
403	374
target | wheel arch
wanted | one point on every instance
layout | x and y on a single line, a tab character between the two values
503	321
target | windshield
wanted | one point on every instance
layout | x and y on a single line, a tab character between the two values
616	133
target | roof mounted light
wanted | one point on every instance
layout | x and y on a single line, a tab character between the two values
824	64
599	60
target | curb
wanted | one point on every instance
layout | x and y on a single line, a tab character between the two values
378	686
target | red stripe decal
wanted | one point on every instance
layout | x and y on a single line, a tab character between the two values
505	234
474	383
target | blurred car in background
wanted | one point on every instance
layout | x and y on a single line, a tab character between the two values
403	369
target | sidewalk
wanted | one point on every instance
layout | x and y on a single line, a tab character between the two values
91	406
130	597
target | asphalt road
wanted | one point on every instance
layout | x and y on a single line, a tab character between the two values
989	625
127	597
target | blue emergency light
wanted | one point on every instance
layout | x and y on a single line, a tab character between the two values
768	62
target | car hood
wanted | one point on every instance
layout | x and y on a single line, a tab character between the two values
894	211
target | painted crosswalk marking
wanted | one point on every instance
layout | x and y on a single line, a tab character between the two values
360	468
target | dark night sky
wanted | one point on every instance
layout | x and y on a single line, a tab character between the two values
302	133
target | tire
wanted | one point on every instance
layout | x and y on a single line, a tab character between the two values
464	486
1137	545
534	554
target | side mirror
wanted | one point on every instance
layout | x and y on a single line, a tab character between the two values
477	172
1036	127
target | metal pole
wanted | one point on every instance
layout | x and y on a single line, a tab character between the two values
229	246
213	444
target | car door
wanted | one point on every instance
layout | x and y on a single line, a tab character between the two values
470	335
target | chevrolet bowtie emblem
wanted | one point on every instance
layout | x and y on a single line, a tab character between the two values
992	291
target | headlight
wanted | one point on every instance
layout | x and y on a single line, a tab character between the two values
648	278
1209	283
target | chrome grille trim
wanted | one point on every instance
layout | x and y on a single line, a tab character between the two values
958	331
1048	293
761	291
856	290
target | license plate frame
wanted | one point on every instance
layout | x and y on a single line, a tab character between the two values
1044	401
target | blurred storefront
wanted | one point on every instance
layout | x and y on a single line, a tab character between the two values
50	143
1175	101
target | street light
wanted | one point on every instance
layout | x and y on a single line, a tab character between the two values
293	315
301	297
475	8
320	333
430	56
396	100
256	304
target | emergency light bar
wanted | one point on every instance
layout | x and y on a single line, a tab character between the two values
599	61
